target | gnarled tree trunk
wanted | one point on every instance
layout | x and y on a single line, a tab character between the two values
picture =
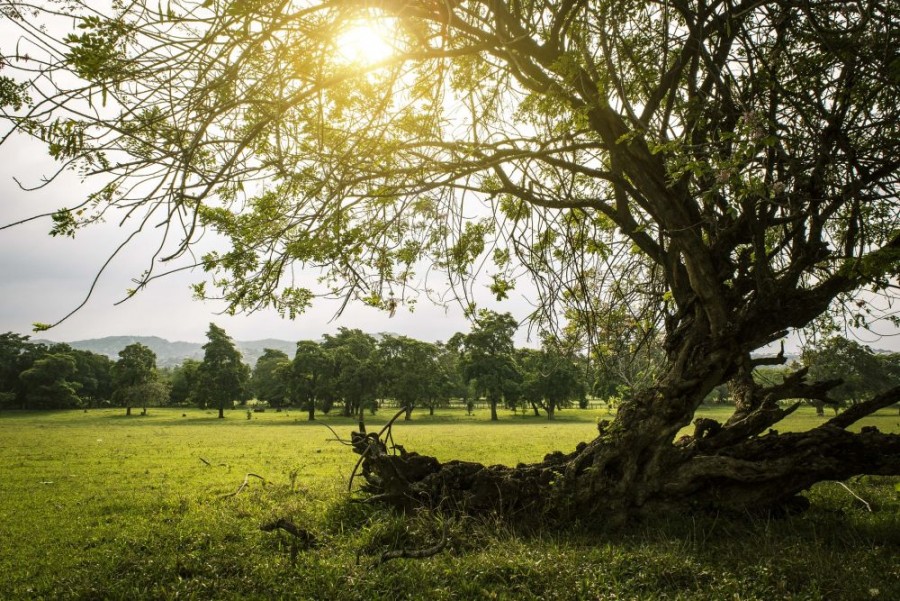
636	466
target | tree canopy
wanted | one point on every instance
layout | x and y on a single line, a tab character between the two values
726	169
487	357
136	379
862	373
269	379
222	377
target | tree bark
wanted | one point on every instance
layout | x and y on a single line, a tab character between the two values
493	410
634	467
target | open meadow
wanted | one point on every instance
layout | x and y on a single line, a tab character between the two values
94	505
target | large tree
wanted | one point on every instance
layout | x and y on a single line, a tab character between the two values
311	377
136	380
222	377
487	357
270	379
729	168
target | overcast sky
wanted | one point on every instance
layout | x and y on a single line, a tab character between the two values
43	278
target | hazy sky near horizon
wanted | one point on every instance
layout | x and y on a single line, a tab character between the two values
42	278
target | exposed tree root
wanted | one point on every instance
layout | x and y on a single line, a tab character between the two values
626	472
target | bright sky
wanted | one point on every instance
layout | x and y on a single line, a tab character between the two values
42	278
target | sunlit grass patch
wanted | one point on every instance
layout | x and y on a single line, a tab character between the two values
96	505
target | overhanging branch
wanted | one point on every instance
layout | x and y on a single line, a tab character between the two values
857	412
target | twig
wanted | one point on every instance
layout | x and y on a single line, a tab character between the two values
358	463
390	423
205	461
857	497
336	435
243	485
376	498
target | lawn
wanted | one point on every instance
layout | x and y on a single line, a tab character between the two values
96	505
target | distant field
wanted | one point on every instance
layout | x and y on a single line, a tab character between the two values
97	505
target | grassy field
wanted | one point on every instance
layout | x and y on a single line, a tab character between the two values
99	506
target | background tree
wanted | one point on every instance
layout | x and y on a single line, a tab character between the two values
727	168
448	382
310	377
410	371
48	383
184	382
269	381
550	379
487	357
861	372
355	376
222	377
94	374
17	354
136	379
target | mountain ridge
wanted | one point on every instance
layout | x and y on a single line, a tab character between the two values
172	353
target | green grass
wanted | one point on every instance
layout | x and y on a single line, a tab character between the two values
99	506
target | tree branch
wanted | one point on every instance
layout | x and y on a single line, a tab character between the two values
857	412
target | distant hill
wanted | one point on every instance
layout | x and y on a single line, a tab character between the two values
170	354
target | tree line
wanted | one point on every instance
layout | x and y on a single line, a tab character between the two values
356	372
351	369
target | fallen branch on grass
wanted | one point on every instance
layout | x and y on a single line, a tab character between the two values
305	537
414	553
857	497
244	485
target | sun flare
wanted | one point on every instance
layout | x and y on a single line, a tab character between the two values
367	42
